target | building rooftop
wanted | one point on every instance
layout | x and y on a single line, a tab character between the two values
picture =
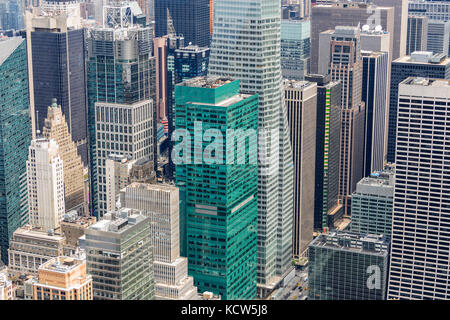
7	47
147	186
28	231
118	221
72	217
344	240
206	82
424	57
61	264
298	84
426	82
192	49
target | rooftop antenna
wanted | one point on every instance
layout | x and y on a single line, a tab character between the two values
170	28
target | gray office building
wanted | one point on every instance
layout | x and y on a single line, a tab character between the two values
416	39
348	266
419	266
372	204
438	36
328	16
419	64
295	48
119	256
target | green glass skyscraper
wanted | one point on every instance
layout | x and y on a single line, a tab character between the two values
15	136
217	173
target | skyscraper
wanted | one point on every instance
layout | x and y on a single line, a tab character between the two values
295	48
246	46
419	259
419	64
119	256
438	36
191	18
327	17
301	101
348	266
375	95
15	138
45	178
328	137
57	52
162	205
118	53
372	204
417	34
218	184
55	127
342	54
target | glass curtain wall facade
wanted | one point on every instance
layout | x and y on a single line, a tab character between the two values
15	137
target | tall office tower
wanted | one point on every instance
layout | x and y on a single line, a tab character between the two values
57	52
161	203
119	256
375	95
416	39
328	137
400	24
233	48
327	17
295	48
191	18
63	278
55	127
190	62
340	51
218	186
419	260
419	64
160	53
121	107
118	169
31	247
14	138
372	204
348	266
301	101
45	176
438	36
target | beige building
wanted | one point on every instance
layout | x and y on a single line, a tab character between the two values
73	227
6	286
161	204
55	127
30	247
301	105
63	278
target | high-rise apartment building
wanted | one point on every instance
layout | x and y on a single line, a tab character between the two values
327	17
375	75
121	103
14	138
419	64
45	180
328	137
343	58
438	36
416	39
119	256
372	204
295	48
63	278
11	15
301	105
55	127
348	266
218	184
191	18
421	219
235	40
161	203
57	51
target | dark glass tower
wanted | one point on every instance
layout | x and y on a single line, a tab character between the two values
191	18
15	137
58	55
328	135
